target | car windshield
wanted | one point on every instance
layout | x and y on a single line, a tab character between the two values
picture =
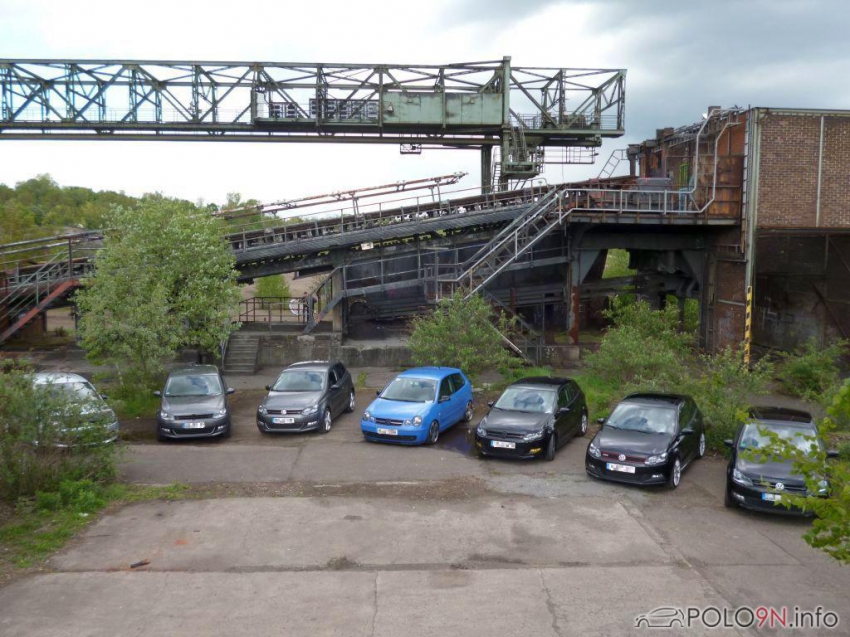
74	390
527	399
186	385
299	380
755	436
410	390
644	418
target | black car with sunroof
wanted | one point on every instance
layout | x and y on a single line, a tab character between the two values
532	419
760	482
648	439
306	396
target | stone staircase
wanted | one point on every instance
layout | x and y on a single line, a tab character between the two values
242	353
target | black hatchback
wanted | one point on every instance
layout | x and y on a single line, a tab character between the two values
533	418
647	439
193	404
306	396
760	483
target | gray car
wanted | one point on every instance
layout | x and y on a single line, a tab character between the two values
306	397
194	404
92	406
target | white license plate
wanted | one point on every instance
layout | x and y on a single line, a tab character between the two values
503	445
193	425
387	432
771	497
283	421
623	468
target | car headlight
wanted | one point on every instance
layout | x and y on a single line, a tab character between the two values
310	410
823	488
481	430
220	413
165	415
593	450
741	479
368	417
415	422
263	409
657	459
534	435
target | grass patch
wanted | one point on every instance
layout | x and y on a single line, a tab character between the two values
361	380
600	394
42	525
617	264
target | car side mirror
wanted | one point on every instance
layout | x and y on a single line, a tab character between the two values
563	410
268	387
601	421
378	393
230	390
157	393
729	443
687	431
445	399
832	453
490	404
335	386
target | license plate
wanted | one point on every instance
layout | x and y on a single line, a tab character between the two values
193	425
503	445
388	432
283	421
623	468
771	497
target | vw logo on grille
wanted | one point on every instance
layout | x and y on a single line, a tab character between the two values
621	457
779	486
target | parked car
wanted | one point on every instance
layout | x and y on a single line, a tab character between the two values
91	405
306	396
417	405
647	439
194	404
760	485
533	418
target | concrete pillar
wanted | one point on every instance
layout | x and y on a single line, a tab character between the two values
338	312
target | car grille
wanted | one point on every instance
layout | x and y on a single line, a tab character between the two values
192	416
615	455
284	412
373	436
389	421
179	431
506	435
790	488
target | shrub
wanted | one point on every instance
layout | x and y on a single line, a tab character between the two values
35	422
461	333
812	373
274	286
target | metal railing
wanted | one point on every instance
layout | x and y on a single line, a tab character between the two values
292	310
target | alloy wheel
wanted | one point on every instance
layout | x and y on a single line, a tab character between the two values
433	432
701	445
583	423
676	476
351	402
467	416
327	422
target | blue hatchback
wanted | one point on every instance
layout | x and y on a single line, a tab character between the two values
417	405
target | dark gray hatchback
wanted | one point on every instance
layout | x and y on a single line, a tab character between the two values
194	404
306	397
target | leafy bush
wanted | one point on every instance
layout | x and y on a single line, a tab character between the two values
461	333
812	373
47	438
644	347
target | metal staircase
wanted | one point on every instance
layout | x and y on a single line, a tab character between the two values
614	160
326	299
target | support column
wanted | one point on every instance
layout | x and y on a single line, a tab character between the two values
338	312
486	168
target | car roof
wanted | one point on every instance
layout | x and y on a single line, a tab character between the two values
782	415
659	399
194	369
547	381
44	378
437	373
323	365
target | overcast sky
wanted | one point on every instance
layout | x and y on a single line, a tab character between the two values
681	56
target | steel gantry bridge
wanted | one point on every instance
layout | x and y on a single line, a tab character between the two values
518	111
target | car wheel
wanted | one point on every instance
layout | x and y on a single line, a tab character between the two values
467	415
433	432
229	431
728	502
551	447
327	422
675	474
701	447
350	407
583	429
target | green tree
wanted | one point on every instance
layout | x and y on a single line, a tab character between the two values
272	286
163	280
827	480
461	333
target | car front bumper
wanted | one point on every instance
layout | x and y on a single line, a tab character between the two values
752	498
300	423
175	428
522	449
404	435
643	475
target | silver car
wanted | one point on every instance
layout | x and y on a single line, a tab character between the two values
78	390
